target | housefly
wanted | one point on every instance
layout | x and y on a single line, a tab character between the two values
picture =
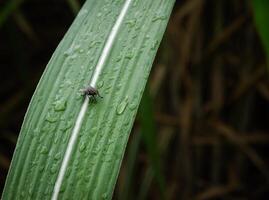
90	92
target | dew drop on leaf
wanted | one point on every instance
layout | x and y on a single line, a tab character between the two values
68	52
50	118
104	196
82	147
77	47
60	105
100	84
44	150
53	169
121	107
57	156
159	17
155	45
94	129
67	125
132	106
118	59
129	55
36	132
41	168
22	194
131	23
31	189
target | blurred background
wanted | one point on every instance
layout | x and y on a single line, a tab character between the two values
202	127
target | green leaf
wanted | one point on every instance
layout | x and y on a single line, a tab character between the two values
148	129
74	5
52	116
7	10
261	16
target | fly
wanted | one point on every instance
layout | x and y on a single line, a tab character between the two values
90	92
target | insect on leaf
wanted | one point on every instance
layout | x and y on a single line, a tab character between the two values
69	148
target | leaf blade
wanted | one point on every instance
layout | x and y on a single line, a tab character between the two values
95	162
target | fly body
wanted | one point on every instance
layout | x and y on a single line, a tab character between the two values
90	92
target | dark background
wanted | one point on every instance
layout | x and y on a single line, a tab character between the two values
202	127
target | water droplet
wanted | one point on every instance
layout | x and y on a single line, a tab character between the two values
104	196
131	23
129	55
95	152
41	168
39	98
60	105
87	178
121	107
159	17
73	56
77	47
95	43
44	150
36	132
111	141
68	52
91	61
82	147
118	59
118	87
33	164
100	84
23	194
107	89
57	156
68	171
76	163
133	106
134	36
83	12
50	118
31	189
155	45
94	129
53	168
67	125
62	190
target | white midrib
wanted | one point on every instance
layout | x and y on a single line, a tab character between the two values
93	82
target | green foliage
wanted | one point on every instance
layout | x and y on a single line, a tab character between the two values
93	168
261	16
8	9
148	129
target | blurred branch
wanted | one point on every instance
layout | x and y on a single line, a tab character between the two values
225	34
255	138
187	8
4	161
263	88
25	26
247	82
236	139
216	192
